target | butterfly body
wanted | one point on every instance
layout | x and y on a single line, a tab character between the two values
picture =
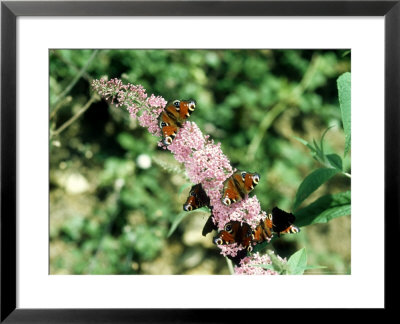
237	186
172	118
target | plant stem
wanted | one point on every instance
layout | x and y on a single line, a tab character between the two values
279	107
59	105
74	117
76	78
347	174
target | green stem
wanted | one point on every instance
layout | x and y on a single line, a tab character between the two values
74	117
347	174
279	107
76	78
59	105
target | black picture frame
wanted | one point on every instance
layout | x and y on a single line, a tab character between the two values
10	10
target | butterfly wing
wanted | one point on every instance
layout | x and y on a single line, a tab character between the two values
172	118
238	257
186	107
197	198
235	232
245	236
231	192
169	125
209	226
249	181
282	222
238	186
263	231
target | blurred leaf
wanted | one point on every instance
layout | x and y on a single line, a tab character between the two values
297	262
344	89
127	141
184	186
304	142
176	222
312	182
324	209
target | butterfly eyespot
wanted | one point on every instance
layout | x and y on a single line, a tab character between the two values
269	216
163	124
177	104
243	174
188	207
226	202
249	248
168	140
192	105
256	179
228	228
218	241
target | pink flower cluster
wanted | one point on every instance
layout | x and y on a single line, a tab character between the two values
204	160
134	98
250	265
205	163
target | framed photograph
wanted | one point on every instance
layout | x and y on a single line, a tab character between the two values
193	160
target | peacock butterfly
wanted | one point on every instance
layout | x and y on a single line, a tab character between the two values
278	221
282	222
235	232
237	186
197	198
172	118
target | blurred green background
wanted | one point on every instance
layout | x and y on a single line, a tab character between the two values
114	194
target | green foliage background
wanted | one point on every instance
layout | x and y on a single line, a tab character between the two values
110	214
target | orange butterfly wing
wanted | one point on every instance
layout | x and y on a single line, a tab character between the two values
238	186
239	233
172	118
231	193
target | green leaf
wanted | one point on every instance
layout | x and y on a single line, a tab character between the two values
335	161
182	215
184	186
304	142
176	222
314	151
297	262
312	182
318	150
322	140
325	209
344	90
296	265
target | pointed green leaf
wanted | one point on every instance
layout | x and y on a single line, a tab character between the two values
312	182
304	142
344	90
335	161
184	186
176	222
324	209
322	139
